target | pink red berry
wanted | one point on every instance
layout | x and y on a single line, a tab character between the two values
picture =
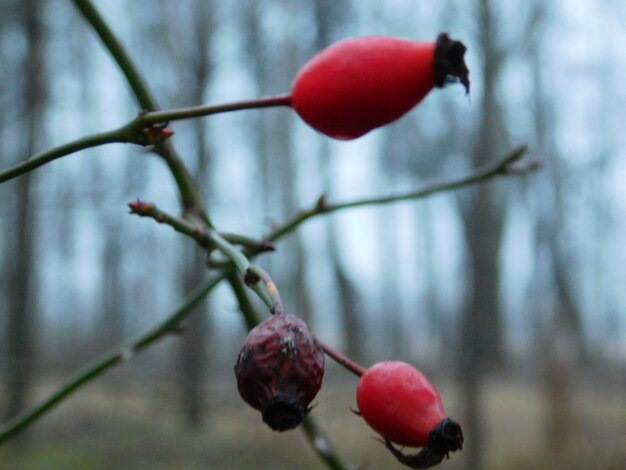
401	404
359	84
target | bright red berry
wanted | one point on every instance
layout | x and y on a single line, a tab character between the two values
359	84
400	403
279	370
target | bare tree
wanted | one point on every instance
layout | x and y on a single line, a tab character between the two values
329	18
559	330
481	328
193	355
22	291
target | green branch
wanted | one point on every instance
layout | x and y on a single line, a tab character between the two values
157	117
321	444
506	166
38	160
208	238
116	356
187	188
147	130
127	66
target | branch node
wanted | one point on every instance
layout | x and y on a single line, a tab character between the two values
266	245
518	168
152	135
127	355
141	208
251	278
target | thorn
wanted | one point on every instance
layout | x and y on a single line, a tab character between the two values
266	245
321	205
153	135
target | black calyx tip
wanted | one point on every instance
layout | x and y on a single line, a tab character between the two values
449	62
282	413
445	437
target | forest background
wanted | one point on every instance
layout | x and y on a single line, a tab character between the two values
509	294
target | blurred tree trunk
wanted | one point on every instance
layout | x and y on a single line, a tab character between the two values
329	17
22	292
273	143
193	357
439	331
389	168
283	162
560	338
193	354
260	64
390	263
481	324
113	301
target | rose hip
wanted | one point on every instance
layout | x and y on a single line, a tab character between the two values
362	83
279	370
400	403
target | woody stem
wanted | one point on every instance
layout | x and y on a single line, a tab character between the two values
342	360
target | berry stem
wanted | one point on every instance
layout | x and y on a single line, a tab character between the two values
277	307
155	117
349	364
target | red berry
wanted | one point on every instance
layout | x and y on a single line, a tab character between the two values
359	84
399	402
279	370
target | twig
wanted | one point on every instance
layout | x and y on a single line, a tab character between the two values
277	307
127	66
508	165
157	117
321	444
342	360
208	238
106	361
40	159
188	190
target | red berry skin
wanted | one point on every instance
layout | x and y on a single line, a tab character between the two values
359	84
279	370
399	402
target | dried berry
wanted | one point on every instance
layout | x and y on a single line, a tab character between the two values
362	83
279	370
400	403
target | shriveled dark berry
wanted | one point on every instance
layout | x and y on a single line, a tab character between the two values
279	370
